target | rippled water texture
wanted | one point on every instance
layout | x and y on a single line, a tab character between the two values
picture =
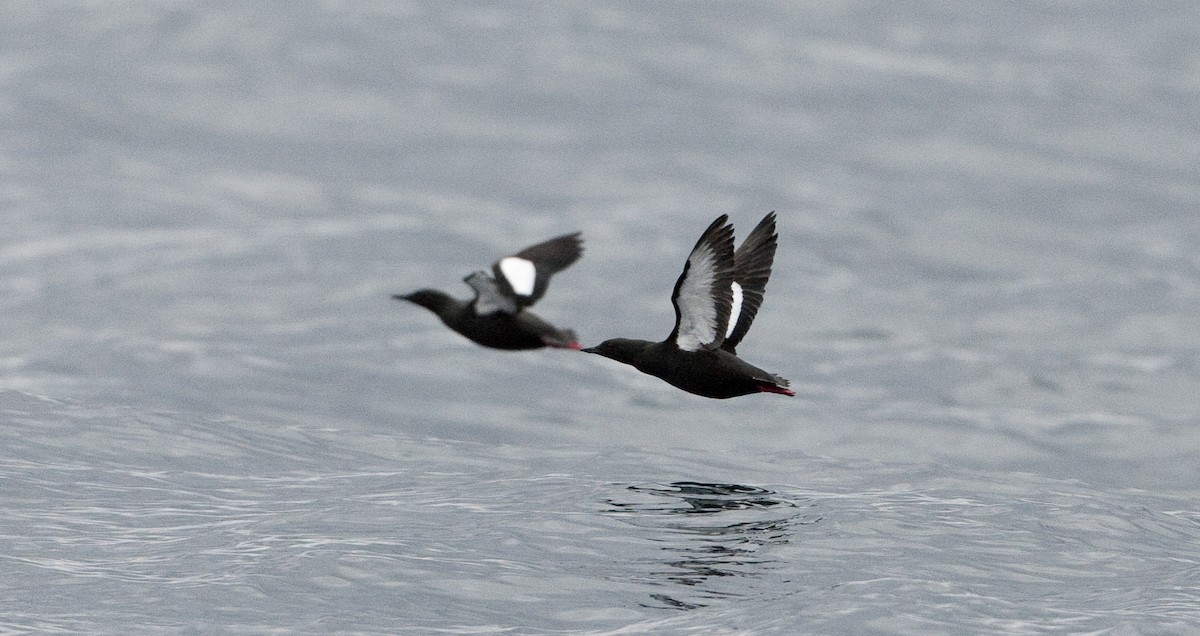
215	419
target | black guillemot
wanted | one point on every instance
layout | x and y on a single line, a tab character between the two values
716	299
497	316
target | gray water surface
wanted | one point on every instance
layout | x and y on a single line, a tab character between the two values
986	296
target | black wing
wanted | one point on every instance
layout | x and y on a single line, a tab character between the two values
703	294
752	268
524	276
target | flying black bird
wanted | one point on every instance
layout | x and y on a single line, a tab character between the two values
497	316
716	298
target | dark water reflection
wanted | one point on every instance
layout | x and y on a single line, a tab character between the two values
711	531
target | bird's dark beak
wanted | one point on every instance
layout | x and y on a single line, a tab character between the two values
401	297
589	350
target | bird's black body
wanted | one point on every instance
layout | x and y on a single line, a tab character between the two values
713	373
497	316
715	298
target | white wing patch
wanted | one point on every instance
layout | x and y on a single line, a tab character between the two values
697	311
736	311
520	274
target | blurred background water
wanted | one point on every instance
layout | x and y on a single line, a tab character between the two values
986	297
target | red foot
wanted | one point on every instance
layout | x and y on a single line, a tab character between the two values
771	388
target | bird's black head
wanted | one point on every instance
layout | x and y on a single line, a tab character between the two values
620	349
431	299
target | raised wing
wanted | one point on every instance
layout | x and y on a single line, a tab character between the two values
524	276
489	299
703	295
752	269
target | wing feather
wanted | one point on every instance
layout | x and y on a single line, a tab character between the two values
524	276
488	297
752	269
703	295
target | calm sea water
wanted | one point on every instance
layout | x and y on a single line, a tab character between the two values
215	420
